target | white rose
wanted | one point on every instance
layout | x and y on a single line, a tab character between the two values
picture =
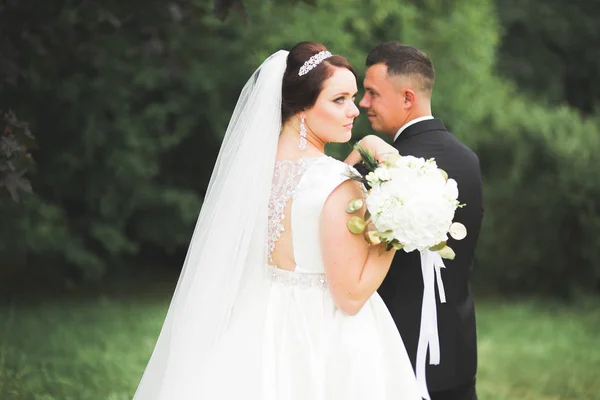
372	179
383	174
452	189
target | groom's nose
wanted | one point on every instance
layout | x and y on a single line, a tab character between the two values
365	102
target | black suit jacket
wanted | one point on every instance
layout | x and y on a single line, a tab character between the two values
402	289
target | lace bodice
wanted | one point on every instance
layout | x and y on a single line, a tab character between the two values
286	178
299	191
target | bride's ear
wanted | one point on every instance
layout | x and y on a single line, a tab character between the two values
301	115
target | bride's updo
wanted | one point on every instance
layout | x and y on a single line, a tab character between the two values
301	92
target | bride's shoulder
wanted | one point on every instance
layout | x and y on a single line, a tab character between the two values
331	169
342	167
330	164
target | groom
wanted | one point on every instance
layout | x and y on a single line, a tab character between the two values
398	85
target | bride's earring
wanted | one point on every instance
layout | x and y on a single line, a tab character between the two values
302	144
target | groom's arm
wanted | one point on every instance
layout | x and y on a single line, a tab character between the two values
360	167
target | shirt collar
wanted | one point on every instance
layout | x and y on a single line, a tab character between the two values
411	122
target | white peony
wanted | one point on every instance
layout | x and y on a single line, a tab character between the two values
383	174
413	202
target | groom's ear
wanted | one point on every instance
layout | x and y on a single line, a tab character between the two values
409	97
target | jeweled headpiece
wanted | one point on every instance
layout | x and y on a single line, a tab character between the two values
313	62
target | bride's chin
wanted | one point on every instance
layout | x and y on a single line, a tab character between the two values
343	138
346	137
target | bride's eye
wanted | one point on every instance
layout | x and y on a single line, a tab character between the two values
339	100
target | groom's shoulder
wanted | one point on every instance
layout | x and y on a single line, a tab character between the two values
458	146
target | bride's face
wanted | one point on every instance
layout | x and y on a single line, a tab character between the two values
333	114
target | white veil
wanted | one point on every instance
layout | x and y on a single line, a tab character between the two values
225	264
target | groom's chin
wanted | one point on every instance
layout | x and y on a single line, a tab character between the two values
373	123
375	126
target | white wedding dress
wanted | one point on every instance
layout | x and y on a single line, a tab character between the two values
303	347
239	328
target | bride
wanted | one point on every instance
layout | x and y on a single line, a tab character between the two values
277	299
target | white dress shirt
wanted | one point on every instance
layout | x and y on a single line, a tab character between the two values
411	122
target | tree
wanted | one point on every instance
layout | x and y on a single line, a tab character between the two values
223	7
550	49
15	142
129	101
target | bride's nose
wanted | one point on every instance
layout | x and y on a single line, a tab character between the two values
353	111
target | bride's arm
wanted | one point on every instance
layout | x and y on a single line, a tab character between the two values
375	145
354	269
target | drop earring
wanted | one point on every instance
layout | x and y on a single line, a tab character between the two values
302	144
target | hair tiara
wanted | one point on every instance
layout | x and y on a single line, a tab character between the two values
313	61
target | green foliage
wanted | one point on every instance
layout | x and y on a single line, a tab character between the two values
129	101
368	159
549	48
542	218
113	96
15	160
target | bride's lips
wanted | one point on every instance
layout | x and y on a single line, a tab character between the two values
349	126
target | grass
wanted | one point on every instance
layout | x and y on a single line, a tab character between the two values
539	350
95	347
94	350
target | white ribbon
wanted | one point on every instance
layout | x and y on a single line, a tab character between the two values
431	264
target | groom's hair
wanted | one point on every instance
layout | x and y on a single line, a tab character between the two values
403	60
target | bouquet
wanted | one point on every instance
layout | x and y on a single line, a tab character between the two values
410	204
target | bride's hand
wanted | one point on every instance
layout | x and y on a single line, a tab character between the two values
375	145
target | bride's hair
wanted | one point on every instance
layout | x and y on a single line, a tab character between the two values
301	92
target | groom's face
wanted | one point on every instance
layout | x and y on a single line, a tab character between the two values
383	101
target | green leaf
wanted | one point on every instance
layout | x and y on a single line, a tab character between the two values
354	205
438	246
397	245
368	159
356	225
447	253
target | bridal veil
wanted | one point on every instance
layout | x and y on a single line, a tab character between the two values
224	269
